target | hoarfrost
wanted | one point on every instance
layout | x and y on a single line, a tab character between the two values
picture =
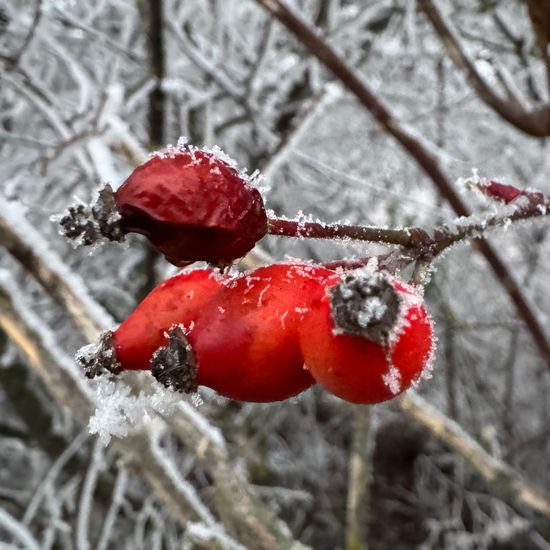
118	412
392	378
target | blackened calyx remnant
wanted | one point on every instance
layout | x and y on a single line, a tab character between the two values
174	365
365	304
95	359
89	224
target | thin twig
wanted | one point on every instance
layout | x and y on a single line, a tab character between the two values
502	479
535	123
360	477
318	230
30	34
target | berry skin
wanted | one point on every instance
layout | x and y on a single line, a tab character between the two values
245	344
367	340
131	346
192	206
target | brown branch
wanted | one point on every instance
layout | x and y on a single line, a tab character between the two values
157	98
319	230
414	146
539	13
535	123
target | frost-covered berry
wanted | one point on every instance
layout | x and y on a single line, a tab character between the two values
368	339
245	343
178	300
191	203
235	334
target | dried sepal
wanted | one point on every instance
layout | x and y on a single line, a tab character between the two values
95	359
174	365
90	224
365	304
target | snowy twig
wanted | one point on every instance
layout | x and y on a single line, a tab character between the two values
19	531
360	477
503	479
30	34
535	123
319	230
116	501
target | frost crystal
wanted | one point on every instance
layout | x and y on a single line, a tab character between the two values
392	378
118	411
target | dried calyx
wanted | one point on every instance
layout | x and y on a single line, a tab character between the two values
97	358
174	365
365	304
89	224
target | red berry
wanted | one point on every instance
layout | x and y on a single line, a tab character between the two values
245	344
368	339
192	206
131	346
179	300
190	203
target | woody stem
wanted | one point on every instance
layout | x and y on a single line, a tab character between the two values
319	230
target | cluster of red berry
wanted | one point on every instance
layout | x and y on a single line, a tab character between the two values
263	336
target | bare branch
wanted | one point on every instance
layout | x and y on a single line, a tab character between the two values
502	479
318	230
535	123
360	477
30	34
539	13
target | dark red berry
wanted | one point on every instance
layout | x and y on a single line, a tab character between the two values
192	204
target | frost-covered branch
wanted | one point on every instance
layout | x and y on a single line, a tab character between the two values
18	530
501	478
319	230
360	477
535	123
